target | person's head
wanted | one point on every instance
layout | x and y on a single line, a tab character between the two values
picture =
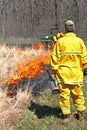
69	26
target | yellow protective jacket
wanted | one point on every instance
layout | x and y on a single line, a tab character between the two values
67	59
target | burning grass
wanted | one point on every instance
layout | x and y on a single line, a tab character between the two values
18	112
17	65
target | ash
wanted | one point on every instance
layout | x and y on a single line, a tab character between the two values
37	85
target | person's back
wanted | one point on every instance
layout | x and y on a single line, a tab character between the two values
70	49
67	60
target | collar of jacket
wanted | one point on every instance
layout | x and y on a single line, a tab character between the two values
70	34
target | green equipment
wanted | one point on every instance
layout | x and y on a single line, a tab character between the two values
47	41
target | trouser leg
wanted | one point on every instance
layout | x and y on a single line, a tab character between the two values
65	98
78	98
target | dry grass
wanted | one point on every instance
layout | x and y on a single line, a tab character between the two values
12	108
17	64
10	57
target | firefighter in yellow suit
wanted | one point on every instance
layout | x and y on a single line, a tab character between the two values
68	57
59	35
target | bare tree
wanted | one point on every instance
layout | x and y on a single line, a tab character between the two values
35	18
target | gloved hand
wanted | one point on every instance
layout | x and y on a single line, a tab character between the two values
85	69
85	72
53	76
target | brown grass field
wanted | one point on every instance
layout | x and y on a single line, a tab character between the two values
23	110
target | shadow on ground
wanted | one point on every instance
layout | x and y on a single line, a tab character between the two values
42	111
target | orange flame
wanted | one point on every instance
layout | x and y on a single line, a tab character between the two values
31	69
38	46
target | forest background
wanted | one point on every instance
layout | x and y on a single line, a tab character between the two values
34	19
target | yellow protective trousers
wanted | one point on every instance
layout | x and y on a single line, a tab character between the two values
74	91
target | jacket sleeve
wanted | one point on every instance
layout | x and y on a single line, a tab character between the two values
55	57
84	56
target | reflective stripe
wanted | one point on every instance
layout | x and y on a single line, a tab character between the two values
75	53
66	110
66	82
80	96
81	108
84	56
55	55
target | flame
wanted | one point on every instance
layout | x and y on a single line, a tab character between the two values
31	70
38	46
28	63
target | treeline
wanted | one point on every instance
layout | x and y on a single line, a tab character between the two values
37	18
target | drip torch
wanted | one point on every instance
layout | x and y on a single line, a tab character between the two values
48	42
52	81
53	84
